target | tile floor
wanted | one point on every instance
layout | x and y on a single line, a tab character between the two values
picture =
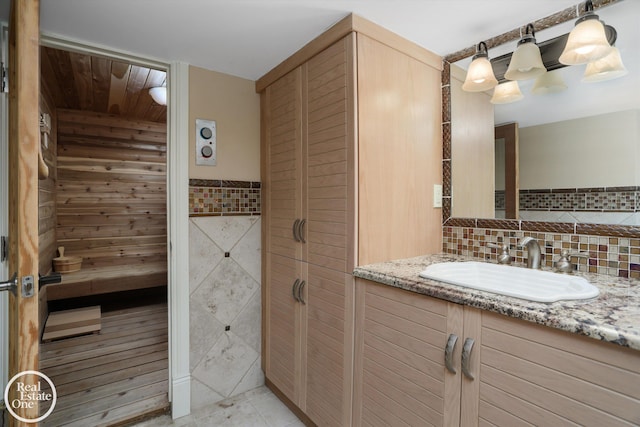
256	408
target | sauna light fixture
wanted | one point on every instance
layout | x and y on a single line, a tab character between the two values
606	68
159	94
526	61
480	75
506	93
587	41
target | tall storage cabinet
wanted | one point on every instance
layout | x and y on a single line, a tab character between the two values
351	149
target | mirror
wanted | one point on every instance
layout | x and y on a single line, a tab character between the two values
579	150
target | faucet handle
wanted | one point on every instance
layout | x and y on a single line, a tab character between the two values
504	247
504	257
563	264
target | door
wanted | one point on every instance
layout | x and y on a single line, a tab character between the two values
24	71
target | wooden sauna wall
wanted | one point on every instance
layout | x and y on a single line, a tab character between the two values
111	192
47	188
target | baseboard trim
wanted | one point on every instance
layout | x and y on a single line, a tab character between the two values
181	402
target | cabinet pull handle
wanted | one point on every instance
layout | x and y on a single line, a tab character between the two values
294	290
448	353
301	231
466	357
296	225
300	288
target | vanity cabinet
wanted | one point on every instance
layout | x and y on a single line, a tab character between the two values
400	375
531	374
351	148
516	373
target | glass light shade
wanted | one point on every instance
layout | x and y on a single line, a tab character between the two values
549	82
480	76
587	42
526	63
159	94
506	93
607	68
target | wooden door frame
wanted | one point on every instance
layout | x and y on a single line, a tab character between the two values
22	207
509	132
4	221
177	208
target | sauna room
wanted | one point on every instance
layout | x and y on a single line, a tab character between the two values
103	234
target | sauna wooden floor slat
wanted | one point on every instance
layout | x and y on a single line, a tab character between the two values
111	378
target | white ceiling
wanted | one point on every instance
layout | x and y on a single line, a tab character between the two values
247	38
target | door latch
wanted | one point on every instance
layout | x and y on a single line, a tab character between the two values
27	285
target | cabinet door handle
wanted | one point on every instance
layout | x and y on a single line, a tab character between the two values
296	227
300	288
466	357
294	290
448	353
301	230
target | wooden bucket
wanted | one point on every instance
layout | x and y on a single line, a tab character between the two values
66	264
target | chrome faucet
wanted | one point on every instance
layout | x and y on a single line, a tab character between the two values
533	251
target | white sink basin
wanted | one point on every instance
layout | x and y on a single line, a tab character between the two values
525	283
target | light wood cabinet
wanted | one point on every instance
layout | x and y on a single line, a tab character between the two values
534	375
400	376
308	332
351	149
518	373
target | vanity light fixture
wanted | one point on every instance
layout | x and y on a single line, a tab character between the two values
506	93
526	61
480	75
587	41
549	82
606	68
159	94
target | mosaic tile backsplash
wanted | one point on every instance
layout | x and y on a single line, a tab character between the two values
610	255
617	199
224	198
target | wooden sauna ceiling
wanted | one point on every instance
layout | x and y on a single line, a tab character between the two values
79	81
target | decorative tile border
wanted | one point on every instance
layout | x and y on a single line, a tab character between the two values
615	199
224	198
609	255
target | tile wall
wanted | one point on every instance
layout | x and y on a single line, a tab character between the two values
220	197
618	205
225	303
609	255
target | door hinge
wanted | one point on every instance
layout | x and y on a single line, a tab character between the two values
4	248
5	77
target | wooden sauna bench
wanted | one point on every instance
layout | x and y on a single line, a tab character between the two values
103	280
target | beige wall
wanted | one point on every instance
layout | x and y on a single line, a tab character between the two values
235	106
600	151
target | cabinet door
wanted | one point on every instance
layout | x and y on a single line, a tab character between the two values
531	374
329	189
282	325
401	377
329	298
399	141
282	144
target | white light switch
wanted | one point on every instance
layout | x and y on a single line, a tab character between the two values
206	142
437	195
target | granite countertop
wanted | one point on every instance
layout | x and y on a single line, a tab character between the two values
613	316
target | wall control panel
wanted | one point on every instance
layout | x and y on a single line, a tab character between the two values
206	142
